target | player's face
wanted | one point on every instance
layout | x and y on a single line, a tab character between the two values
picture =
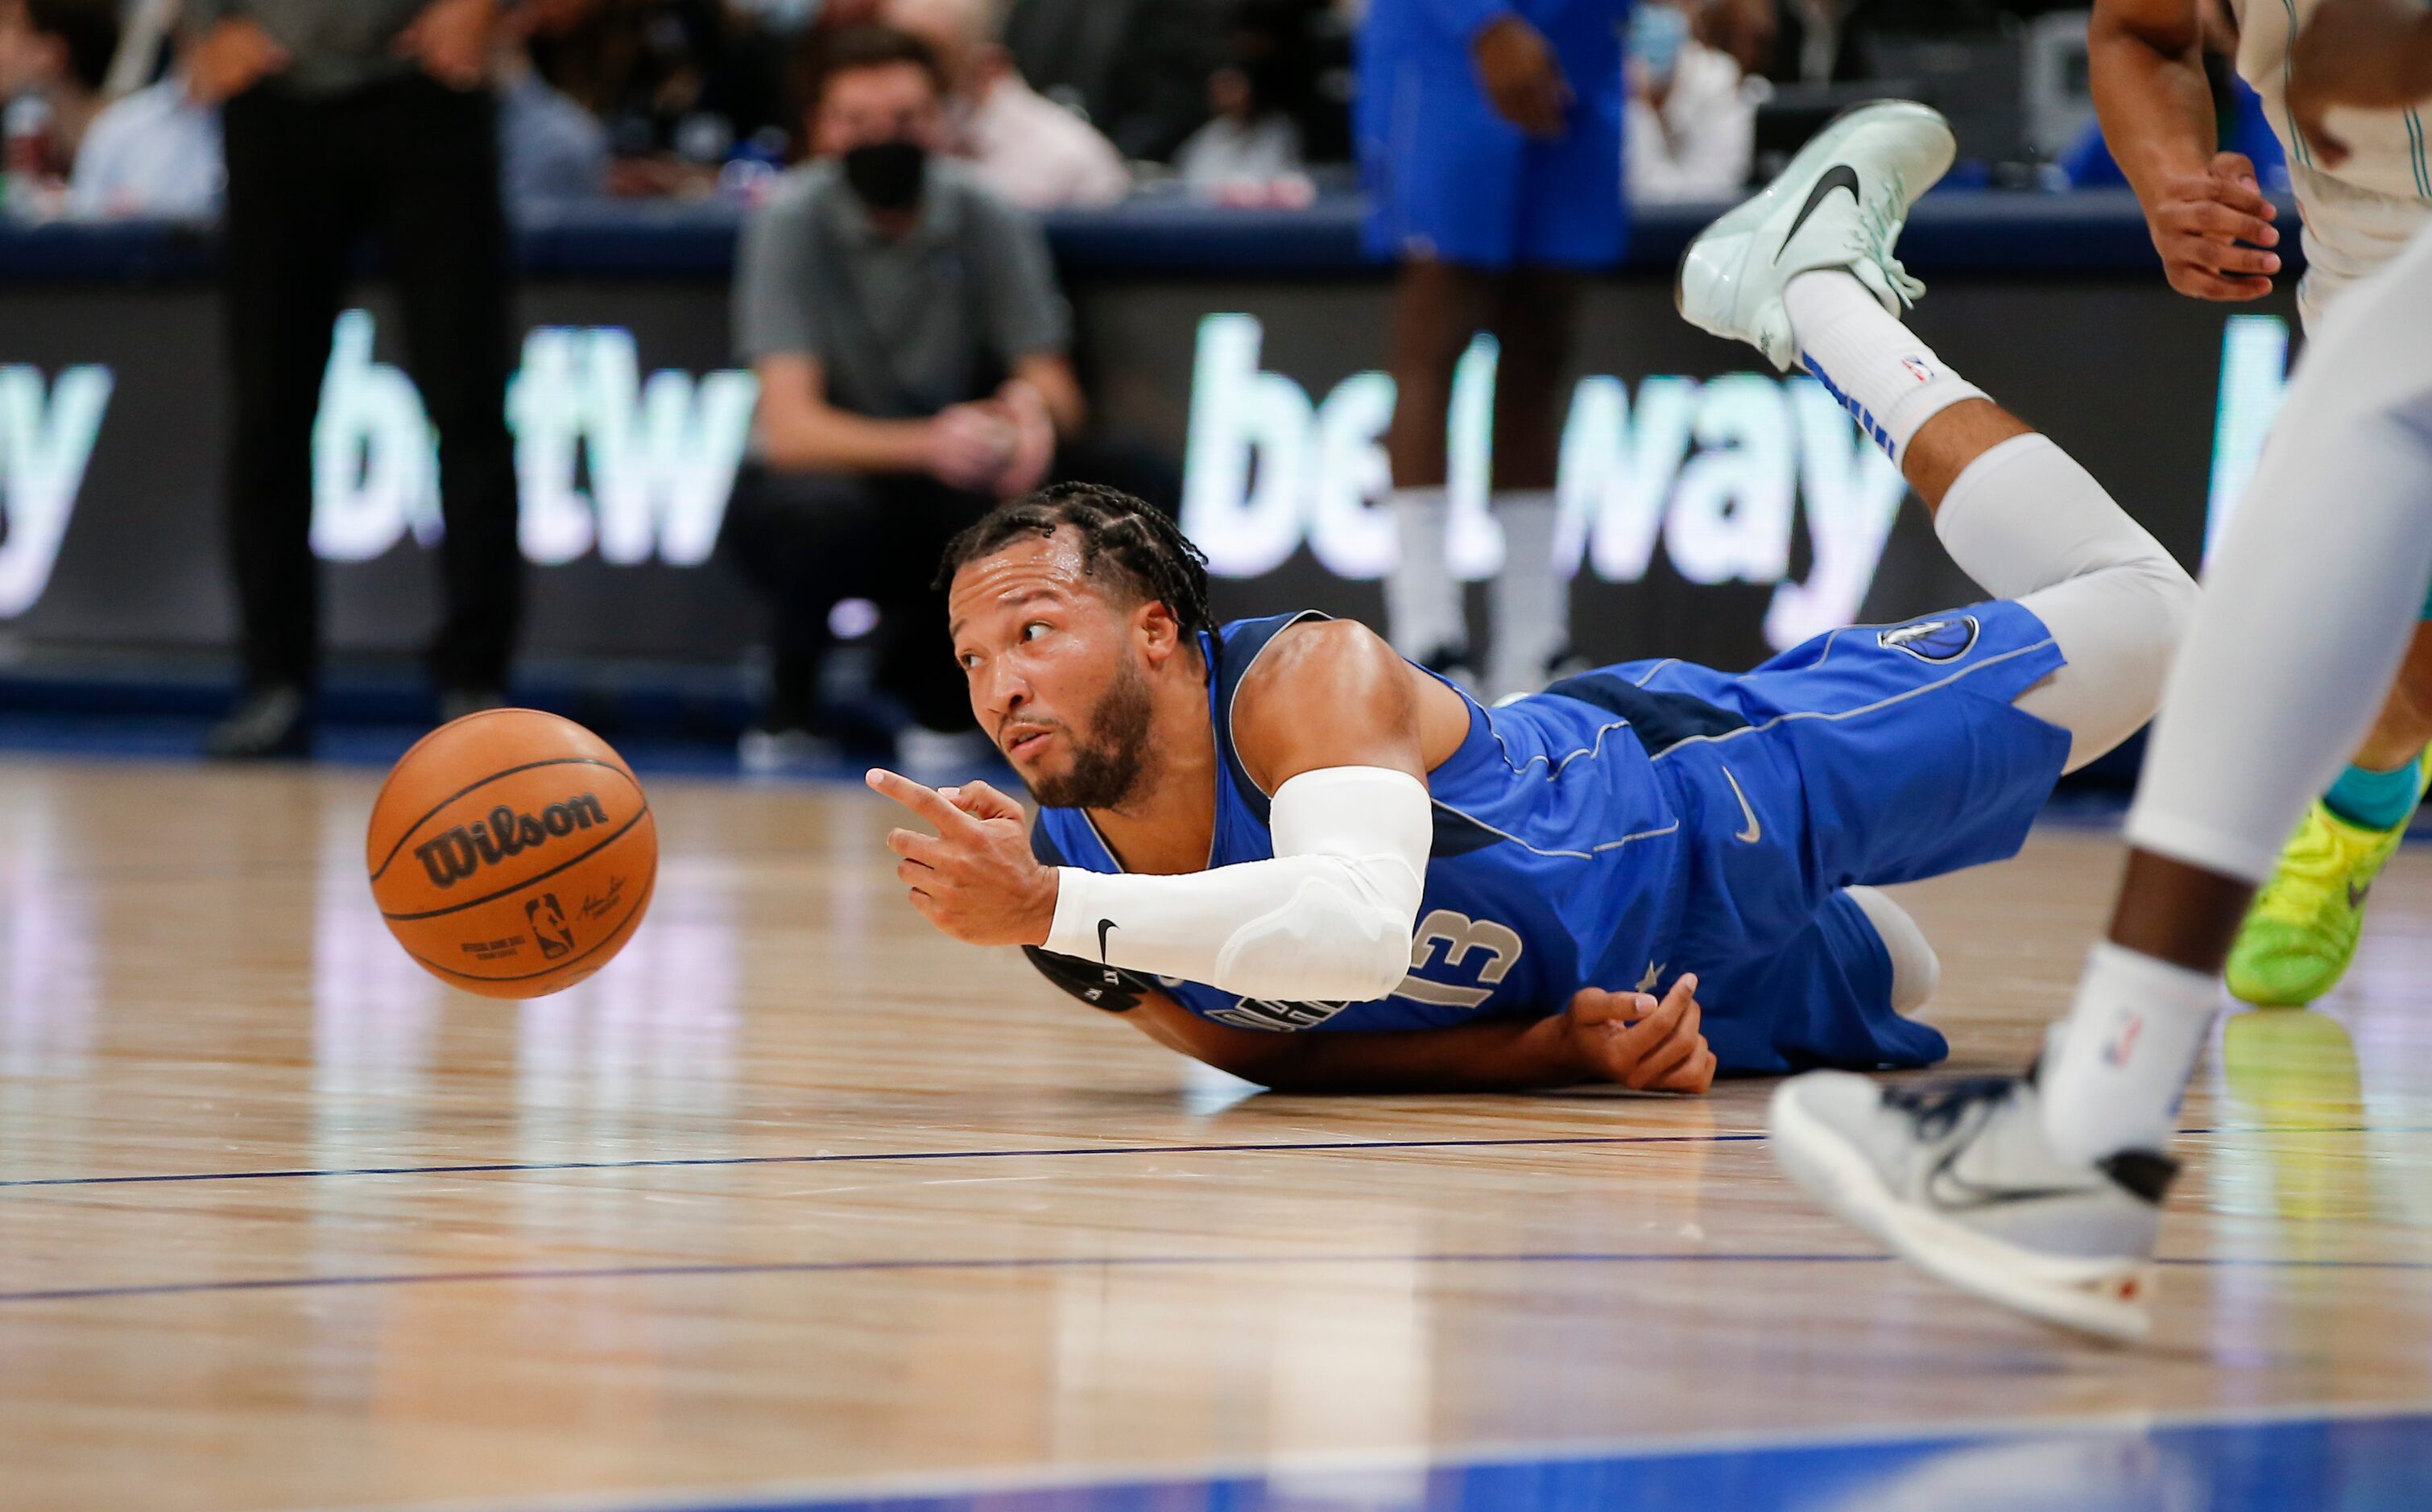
1055	679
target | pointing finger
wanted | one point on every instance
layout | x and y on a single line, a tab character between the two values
924	802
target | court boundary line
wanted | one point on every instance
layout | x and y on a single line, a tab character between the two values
778	1496
850	1157
1043	1151
678	1270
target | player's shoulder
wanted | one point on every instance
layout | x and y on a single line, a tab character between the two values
1305	671
1261	652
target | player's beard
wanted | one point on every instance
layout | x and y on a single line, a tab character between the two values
1108	765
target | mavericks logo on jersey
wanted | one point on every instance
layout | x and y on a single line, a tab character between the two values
1931	640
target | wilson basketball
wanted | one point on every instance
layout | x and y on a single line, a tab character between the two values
512	853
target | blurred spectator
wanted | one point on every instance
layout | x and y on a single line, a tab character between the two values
683	85
54	56
1251	137
1247	139
1692	127
1823	41
155	151
1023	146
343	117
550	149
1744	29
1136	68
910	342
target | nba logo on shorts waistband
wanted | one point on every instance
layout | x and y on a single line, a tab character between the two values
1931	640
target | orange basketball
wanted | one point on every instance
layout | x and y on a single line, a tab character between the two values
512	853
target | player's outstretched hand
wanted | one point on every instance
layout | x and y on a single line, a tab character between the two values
1630	1038
975	879
1521	77
2371	54
2201	222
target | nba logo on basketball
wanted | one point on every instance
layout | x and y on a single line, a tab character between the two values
548	922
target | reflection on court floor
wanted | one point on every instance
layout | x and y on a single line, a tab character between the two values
799	1204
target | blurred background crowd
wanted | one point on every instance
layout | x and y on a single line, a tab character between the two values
111	104
894	292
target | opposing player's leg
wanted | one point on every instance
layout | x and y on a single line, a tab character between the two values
2302	932
2044	1192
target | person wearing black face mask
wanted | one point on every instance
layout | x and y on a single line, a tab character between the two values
887	174
911	345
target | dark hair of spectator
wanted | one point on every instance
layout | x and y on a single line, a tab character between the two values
89	28
851	49
1137	542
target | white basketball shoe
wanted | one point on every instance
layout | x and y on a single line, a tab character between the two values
1840	204
1958	1178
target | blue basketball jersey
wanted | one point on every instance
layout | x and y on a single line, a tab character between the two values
1554	863
1641	821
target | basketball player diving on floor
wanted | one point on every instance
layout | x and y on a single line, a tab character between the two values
1279	848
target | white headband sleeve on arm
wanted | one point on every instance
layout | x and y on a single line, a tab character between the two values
1328	920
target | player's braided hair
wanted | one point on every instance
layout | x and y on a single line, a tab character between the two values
1134	539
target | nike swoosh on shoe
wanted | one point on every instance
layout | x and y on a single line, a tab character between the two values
1840	175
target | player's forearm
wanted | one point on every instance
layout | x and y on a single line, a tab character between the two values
1496	1055
1327	920
831	440
2153	102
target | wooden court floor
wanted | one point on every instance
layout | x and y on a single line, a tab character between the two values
797	1195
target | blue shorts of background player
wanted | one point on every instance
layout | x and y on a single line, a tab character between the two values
1449	179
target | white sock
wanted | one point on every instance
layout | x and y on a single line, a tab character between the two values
1877	367
1423	612
1531	600
2112	1077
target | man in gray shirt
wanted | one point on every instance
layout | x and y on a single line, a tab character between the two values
343	117
911	345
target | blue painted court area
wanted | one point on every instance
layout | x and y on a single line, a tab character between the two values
2353	1463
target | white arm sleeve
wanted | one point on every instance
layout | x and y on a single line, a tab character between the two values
1328	920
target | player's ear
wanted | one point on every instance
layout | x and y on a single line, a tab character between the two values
1159	633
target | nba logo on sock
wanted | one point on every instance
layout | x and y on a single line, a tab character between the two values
2123	1044
1920	369
1931	640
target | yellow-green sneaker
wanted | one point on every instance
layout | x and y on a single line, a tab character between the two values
2302	932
